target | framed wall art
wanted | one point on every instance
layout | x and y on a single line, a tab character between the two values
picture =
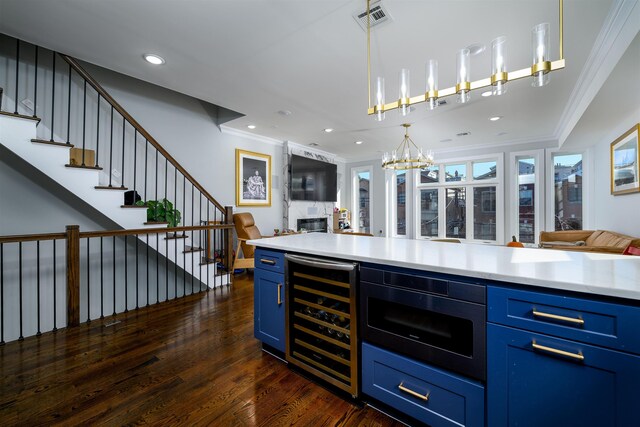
253	179
624	163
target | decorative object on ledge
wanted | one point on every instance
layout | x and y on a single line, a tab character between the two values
514	243
624	163
540	67
407	155
253	179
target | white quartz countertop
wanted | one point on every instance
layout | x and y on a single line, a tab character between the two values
599	274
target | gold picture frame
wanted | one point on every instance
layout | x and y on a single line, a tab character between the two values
253	178
625	158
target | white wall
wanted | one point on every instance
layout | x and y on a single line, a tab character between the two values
614	111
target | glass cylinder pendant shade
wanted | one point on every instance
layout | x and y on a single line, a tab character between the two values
404	94
540	49
380	100
432	83
498	66
464	72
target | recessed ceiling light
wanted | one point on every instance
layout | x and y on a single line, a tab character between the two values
251	126
284	112
153	59
328	130
487	93
463	133
495	118
358	142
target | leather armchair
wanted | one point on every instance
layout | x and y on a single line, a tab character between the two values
245	230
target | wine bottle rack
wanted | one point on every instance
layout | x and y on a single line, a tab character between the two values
321	323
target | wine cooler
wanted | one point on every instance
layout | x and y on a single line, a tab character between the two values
321	319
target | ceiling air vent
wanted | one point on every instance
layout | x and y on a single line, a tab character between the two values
379	15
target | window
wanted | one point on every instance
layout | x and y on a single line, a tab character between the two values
567	191
484	213
455	212
429	175
526	167
484	170
429	213
455	172
526	208
465	202
361	180
401	203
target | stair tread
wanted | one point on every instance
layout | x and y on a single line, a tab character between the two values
56	143
175	236
20	116
188	249
133	206
106	187
155	222
83	167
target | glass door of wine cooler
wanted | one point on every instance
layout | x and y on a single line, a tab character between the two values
321	319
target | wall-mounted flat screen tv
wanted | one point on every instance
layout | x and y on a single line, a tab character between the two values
313	180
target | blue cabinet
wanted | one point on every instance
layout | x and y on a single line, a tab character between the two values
535	378
268	303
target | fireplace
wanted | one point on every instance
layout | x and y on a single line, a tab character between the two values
313	225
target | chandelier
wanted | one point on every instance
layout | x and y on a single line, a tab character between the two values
407	155
539	70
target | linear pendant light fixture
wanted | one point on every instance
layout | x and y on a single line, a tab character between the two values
539	70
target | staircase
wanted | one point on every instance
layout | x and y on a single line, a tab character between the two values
66	108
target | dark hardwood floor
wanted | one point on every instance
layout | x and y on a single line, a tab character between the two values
193	361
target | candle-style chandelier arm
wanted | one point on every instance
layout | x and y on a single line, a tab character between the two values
539	69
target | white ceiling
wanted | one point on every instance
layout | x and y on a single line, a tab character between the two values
309	57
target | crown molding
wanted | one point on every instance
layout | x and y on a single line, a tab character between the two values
249	135
619	29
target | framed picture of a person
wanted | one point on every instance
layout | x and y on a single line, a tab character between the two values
253	179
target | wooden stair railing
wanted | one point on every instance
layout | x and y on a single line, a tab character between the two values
39	267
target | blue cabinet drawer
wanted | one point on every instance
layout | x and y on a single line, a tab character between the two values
427	394
269	260
605	324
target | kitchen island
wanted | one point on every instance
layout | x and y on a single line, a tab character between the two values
557	329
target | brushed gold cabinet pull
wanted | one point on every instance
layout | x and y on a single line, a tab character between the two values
424	397
575	356
267	261
279	294
577	321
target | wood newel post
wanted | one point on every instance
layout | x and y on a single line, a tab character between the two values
228	238
73	275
